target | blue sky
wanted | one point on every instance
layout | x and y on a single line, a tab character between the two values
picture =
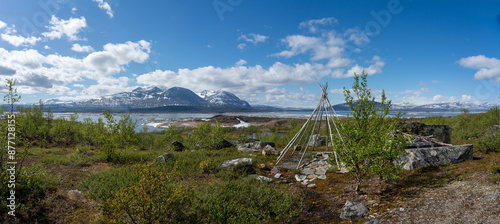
266	52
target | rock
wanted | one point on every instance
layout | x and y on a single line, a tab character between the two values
256	144
277	176
353	209
372	221
234	162
435	156
177	146
297	148
308	171
270	150
165	158
261	178
322	177
439	132
76	195
224	144
245	149
317	140
283	182
311	185
300	178
276	169
320	172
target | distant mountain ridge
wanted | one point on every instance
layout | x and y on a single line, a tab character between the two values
144	98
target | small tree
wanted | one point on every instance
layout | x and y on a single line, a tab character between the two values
372	140
12	97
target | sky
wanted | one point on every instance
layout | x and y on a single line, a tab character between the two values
266	52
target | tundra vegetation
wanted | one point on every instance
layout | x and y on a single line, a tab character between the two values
115	170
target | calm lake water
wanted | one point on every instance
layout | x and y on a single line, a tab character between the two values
148	119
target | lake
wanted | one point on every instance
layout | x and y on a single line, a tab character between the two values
148	119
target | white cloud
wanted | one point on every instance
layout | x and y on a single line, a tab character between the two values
2	24
18	40
69	28
374	68
313	25
46	47
52	73
80	48
241	46
104	5
422	83
418	92
253	38
73	10
241	62
423	100
240	79
489	68
435	81
357	36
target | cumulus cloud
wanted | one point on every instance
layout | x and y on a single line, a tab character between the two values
80	48
422	100
242	80
314	25
51	73
253	38
6	71
489	68
105	6
374	68
18	40
69	28
2	24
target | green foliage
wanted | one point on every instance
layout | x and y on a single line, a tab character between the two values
246	201
158	197
101	186
371	140
209	166
207	136
11	97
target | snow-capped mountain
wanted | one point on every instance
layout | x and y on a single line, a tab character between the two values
449	106
154	97
223	98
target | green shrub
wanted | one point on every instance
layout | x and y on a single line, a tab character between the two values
246	201
101	186
371	139
158	197
209	166
207	136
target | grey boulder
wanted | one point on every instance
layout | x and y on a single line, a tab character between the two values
435	156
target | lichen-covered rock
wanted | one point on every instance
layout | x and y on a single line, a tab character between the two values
271	150
317	140
435	156
164	158
234	162
439	132
353	209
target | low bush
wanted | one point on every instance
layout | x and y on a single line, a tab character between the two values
246	201
101	186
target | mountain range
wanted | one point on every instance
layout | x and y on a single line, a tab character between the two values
178	99
158	99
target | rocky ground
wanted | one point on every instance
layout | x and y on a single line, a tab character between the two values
458	193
